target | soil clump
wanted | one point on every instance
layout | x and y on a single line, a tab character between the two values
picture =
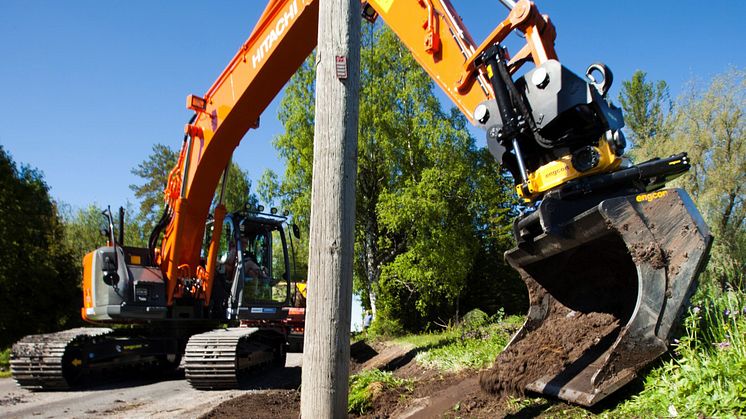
561	339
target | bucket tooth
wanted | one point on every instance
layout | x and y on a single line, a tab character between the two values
607	286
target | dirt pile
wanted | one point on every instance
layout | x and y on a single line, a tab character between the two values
276	404
559	341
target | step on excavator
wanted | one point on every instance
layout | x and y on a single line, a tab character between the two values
602	246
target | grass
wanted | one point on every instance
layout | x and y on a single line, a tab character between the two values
431	339
5	363
472	352
365	386
707	374
473	343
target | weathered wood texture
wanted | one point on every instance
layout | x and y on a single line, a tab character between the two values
327	339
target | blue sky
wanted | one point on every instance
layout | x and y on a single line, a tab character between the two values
89	86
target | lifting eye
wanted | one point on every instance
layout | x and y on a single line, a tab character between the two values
600	77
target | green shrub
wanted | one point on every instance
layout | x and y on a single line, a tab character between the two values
385	327
474	319
707	376
365	386
5	363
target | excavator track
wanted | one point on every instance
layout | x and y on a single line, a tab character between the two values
47	362
220	358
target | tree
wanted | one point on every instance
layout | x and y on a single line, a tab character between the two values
83	229
238	190
268	188
492	284
709	124
154	171
647	106
416	223
39	276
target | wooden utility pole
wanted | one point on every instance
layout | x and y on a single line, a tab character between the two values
326	352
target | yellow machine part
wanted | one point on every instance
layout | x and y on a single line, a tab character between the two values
562	170
302	289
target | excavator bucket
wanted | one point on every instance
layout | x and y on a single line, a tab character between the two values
608	285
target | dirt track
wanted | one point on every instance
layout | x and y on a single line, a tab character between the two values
170	397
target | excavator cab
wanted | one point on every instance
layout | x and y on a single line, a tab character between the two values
253	266
265	264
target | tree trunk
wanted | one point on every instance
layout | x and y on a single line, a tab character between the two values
371	266
326	354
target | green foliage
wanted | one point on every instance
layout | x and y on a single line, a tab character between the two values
154	171
295	146
385	327
237	190
39	275
5	363
365	386
83	229
475	319
707	376
268	188
709	123
491	284
428	202
647	107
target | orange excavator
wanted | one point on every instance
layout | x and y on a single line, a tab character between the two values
599	236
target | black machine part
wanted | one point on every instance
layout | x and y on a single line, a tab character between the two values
629	259
567	112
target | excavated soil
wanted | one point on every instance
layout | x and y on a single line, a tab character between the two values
649	253
433	395
557	343
275	404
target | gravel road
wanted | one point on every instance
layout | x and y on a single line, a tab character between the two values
168	398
